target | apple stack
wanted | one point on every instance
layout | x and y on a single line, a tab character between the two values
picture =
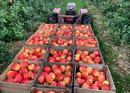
54	75
21	73
59	58
19	76
91	74
43	35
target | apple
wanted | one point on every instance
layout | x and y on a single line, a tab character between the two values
23	64
25	81
15	66
36	68
9	80
85	75
89	70
27	75
80	81
31	67
41	79
86	85
67	80
62	56
50	77
106	87
47	69
11	74
95	86
106	82
82	69
59	77
39	91
62	67
101	78
54	83
61	84
68	68
51	92
96	73
97	53
78	75
18	78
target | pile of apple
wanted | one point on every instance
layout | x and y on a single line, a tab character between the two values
22	72
46	33
39	39
63	33
31	53
61	42
47	26
87	42
62	56
90	78
88	58
66	28
83	33
83	27
39	91
56	75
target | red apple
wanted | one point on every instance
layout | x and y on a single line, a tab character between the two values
106	87
15	66
90	70
61	84
47	69
39	91
31	67
68	68
51	92
82	69
96	73
97	53
23	64
18	78
25	81
62	67
97	60
94	86
86	85
11	74
54	83
23	70
78	75
67	80
80	81
26	76
41	79
36	68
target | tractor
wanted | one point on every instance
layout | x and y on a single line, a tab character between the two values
70	17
